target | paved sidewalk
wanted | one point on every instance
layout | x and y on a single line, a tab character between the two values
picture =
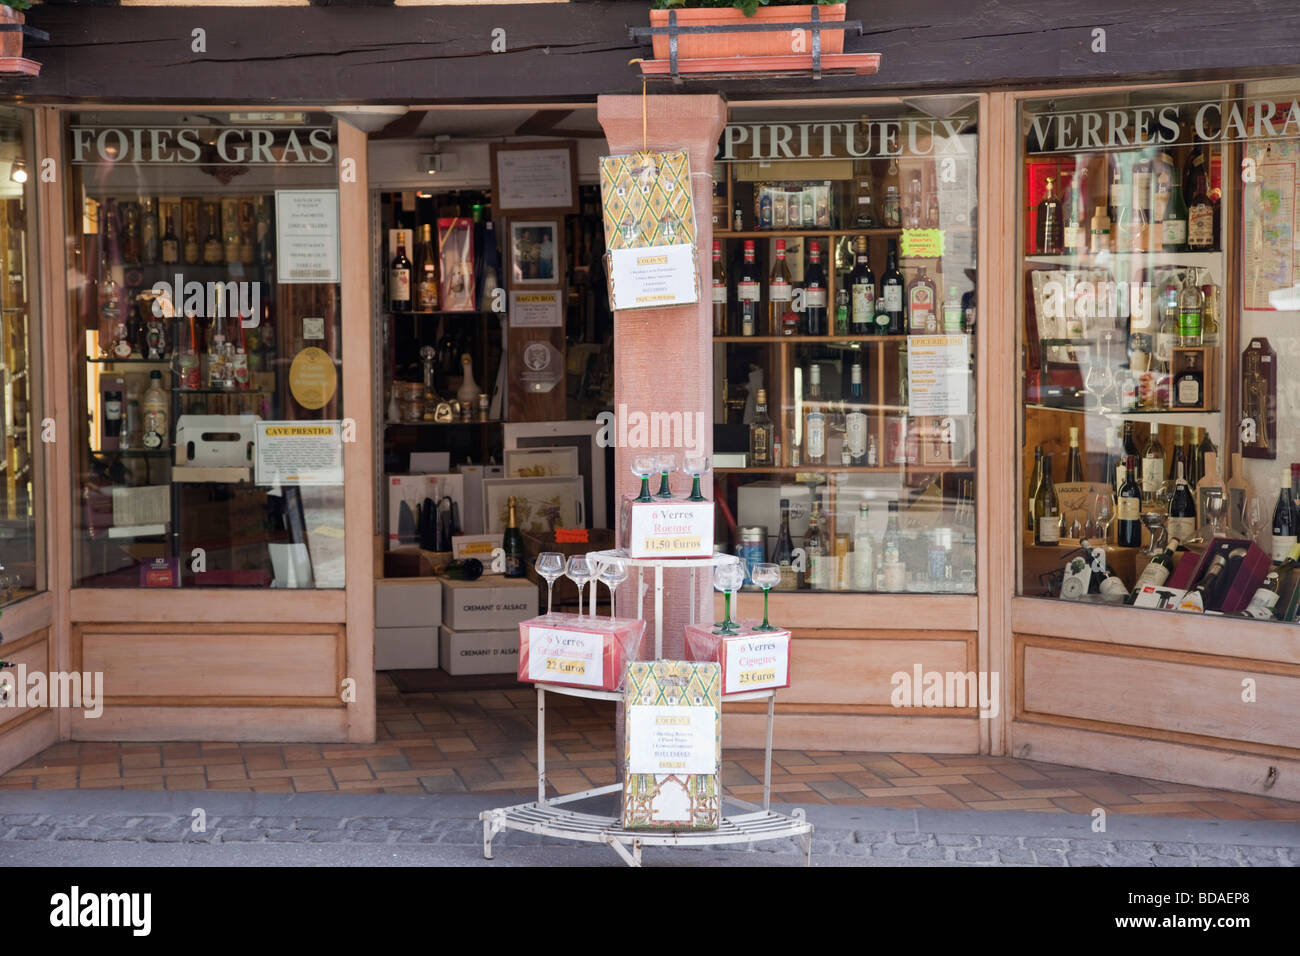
87	828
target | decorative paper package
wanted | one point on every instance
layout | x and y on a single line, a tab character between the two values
750	660
673	746
670	529
577	650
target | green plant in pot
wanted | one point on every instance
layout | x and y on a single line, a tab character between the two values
765	43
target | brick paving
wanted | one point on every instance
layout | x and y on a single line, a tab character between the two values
483	742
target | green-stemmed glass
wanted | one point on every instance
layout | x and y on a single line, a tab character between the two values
727	578
667	465
695	466
643	466
766	576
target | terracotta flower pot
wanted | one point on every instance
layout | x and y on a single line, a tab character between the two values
11	41
763	43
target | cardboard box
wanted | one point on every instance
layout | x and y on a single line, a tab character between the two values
409	602
488	604
673	746
478	652
471	513
406	494
1236	593
579	651
673	528
404	648
750	660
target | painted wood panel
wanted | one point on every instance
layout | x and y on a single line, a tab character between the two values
941	735
944	612
33	654
177	606
858	672
1175	696
271	724
211	662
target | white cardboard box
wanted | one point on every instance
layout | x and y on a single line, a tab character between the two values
403	648
488	604
471	512
479	652
408	602
409	492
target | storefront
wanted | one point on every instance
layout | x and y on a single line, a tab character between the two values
890	271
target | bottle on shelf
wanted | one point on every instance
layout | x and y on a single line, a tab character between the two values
1178	456
1188	389
1099	230
190	227
921	305
426	265
1263	605
111	439
170	247
1195	461
815	420
719	291
783	553
1284	520
873	452
1047	509
864	552
1203	595
818	575
1074	464
1139	221
1049	230
760	433
1212	299
864	203
738	219
1075	236
1200	218
1182	508
1173	229
148	232
779	291
1191	304
1035	484
814	292
891	292
954	313
842	309
213	250
512	542
1153	466
747	292
1128	507
912	208
1157	572
153	410
1120	196
399	281
893	570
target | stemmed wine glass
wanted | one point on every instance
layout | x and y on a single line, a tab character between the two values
1252	517
579	571
667	465
613	572
1098	382
696	465
550	565
766	576
728	578
1103	512
1216	506
643	466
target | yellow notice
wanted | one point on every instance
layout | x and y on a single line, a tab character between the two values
313	379
921	244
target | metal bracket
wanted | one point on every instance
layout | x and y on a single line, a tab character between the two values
631	859
492	825
24	29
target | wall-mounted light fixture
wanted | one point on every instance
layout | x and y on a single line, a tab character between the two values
18	171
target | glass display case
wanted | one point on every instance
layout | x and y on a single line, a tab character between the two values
844	271
205	318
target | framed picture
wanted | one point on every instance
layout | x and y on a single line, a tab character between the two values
528	178
541	504
536	252
592	459
559	462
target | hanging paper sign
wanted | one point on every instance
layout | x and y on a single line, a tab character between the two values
649	217
938	374
307	235
921	244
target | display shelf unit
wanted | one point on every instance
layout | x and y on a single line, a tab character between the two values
552	817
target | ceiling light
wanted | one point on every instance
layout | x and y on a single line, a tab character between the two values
18	171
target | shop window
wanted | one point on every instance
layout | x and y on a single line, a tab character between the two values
21	552
206	367
1159	282
844	277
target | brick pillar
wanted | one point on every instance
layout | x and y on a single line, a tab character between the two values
663	358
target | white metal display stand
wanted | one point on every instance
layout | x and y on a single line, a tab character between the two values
549	817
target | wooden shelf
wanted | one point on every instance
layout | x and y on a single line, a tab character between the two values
198	474
808	233
826	469
813	339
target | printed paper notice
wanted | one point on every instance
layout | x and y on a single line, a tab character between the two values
672	740
534	179
653	277
307	235
938	374
754	663
570	657
299	453
536	310
1269	251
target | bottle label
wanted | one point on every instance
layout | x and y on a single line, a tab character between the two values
399	285
428	293
1165	343
855	434
747	291
816	436
1073	236
1129	509
779	292
1175	231
1049	529
514	565
921	304
1154	575
758	446
1189	323
719	293
864	571
895	576
893	298
1189	391
1200	227
864	300
1181	528
1153	474
814	297
1282	545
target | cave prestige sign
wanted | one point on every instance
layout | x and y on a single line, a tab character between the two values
649	217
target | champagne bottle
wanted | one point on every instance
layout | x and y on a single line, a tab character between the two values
1047	509
1284	521
783	554
513	543
1128	508
1157	572
1074	464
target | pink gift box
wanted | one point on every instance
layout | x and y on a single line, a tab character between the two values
1239	589
750	659
578	650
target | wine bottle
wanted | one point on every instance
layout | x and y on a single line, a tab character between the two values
1047	509
862	285
1157	572
814	292
779	291
1035	483
1284	521
1182	508
1263	604
719	291
1200	218
1074	464
1194	460
864	557
818	575
427	269
891	550
747	292
1050	228
513	543
760	432
891	290
783	554
1153	466
1179	455
1202	596
1128	508
399	280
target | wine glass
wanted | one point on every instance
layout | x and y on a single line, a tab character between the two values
1252	517
667	465
1216	506
643	466
550	565
727	578
766	576
1098	382
696	465
613	572
579	572
1103	512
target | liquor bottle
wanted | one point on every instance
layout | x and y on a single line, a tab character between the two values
1074	464
1128	508
191	230
783	553
1157	572
891	291
932	211
1182	508
779	291
512	542
148	232
112	308
1099	230
1189	383
719	291
954	313
1167	337
912	211
1210	311
1075	238
153	409
864	552
1139	221
247	232
814	378
865	215
1284	520
1205	593
171	247
1191	303
921	305
842	309
230	230
747	292
862	283
1200	218
130	231
855	422
738	219
814	292
1050	239
1047	509
1173	230
891	553
873	452
818	574
1035	485
1178	456
212	247
1153	466
426	263
815	421
760	432
399	280
111	437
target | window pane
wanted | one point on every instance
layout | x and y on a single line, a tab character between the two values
205	311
